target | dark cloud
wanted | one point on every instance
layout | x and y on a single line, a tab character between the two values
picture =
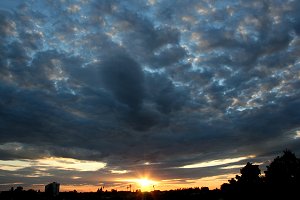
168	56
122	76
168	83
163	92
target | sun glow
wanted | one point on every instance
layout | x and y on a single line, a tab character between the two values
142	183
145	184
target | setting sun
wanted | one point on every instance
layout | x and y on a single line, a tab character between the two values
142	183
145	184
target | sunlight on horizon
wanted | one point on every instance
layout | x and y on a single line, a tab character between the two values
146	184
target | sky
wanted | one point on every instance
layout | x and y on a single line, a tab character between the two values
157	94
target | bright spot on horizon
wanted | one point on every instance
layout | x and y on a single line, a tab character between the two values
142	183
145	183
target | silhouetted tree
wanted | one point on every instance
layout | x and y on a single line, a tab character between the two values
281	180
249	175
284	171
244	186
19	189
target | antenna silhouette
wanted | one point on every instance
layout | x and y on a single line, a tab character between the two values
129	187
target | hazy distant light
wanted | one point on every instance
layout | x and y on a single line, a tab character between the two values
232	167
151	163
297	134
15	183
172	180
11	146
74	9
52	162
217	162
151	2
152	71
238	166
118	171
70	163
76	177
13	165
214	181
37	174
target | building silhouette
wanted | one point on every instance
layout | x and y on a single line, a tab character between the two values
52	189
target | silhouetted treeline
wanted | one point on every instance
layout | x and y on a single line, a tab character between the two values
281	181
190	194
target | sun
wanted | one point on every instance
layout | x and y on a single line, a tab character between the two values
145	184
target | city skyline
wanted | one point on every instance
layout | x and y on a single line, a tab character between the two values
160	94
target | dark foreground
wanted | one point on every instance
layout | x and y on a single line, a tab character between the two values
176	194
183	194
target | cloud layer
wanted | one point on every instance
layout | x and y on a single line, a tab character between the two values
146	86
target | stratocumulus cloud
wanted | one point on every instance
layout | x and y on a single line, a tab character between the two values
167	87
